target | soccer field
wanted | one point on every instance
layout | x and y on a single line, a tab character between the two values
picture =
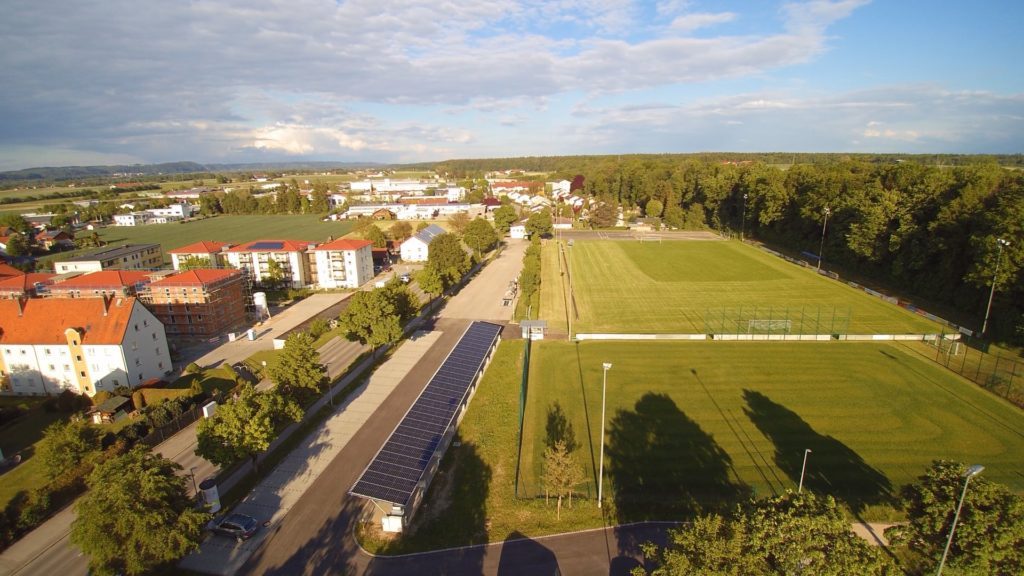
690	425
709	287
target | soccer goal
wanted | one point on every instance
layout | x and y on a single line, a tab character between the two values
649	238
769	326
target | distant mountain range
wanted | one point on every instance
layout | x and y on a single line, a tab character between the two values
52	174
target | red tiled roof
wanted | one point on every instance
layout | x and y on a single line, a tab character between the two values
198	276
106	278
43	320
344	244
202	247
23	282
431	201
286	246
6	270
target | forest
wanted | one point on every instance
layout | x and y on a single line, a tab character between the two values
928	230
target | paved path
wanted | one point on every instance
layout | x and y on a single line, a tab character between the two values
276	495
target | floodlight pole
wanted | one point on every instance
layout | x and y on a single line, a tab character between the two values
600	473
971	472
821	248
803	469
743	226
995	277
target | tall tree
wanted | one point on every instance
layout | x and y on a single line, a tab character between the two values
17	245
989	537
446	256
375	235
372	318
458	222
319	203
539	224
504	216
276	274
245	426
136	516
192	261
653	208
480	236
65	445
400	231
298	366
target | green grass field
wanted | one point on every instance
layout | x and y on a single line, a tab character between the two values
692	425
676	286
235	229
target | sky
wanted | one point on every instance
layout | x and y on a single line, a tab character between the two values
226	81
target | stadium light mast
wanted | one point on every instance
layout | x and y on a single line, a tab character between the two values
803	469
743	226
600	473
971	472
821	247
995	277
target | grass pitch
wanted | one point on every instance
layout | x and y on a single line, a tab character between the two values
691	426
674	286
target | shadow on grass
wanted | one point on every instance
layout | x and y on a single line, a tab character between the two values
664	466
832	467
521	555
586	412
559	428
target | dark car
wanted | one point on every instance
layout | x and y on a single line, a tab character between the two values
238	526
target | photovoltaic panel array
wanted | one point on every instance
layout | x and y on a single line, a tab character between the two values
396	470
267	246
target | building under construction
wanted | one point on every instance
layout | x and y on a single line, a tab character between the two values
200	303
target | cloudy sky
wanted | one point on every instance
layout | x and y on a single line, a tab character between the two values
90	82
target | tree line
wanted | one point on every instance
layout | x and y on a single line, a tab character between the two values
928	231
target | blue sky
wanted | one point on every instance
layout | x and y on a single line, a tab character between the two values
380	80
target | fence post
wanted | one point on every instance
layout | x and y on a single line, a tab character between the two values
967	348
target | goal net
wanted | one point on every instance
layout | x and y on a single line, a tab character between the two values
769	326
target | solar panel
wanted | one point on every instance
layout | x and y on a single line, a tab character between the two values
398	467
267	246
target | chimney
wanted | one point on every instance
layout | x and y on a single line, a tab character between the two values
21	306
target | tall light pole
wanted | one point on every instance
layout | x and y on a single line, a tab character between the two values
821	247
600	470
971	472
995	277
743	226
803	469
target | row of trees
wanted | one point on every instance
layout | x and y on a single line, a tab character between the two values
807	534
924	229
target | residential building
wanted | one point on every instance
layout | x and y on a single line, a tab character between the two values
140	218
415	248
55	239
125	257
117	283
208	250
198	304
169	213
255	257
388	186
343	263
24	285
518	230
51	345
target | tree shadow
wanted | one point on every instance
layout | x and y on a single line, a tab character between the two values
664	466
521	555
832	467
559	428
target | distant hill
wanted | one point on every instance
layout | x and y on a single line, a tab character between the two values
59	173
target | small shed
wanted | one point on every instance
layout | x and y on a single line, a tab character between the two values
534	329
111	410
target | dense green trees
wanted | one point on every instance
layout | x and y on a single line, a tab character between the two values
136	516
989	537
298	368
446	256
504	216
480	236
788	534
539	224
65	445
244	426
376	317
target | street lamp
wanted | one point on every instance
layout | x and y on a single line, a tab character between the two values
821	248
600	473
192	473
743	226
999	260
971	472
803	469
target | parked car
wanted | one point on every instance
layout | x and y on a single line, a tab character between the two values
238	526
404	277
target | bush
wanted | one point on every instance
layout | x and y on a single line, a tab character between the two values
298	293
318	328
193	368
101	397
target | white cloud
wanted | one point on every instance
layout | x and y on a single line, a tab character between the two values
690	22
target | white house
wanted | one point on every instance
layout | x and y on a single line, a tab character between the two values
84	345
561	188
343	263
518	230
255	257
205	249
415	249
177	211
132	219
389	186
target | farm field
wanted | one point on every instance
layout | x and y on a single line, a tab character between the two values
691	426
233	229
712	287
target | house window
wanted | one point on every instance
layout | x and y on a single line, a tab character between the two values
82	373
136	327
145	323
154	335
160	365
52	367
78	357
140	376
138	362
47	351
116	383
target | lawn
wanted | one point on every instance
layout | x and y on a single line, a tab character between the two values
694	425
711	287
19	436
234	229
